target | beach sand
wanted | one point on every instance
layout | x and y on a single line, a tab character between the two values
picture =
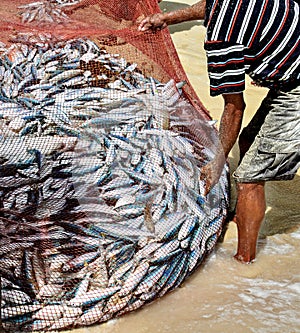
224	296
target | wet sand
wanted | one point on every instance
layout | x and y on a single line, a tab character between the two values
225	296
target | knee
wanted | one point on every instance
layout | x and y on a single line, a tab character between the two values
251	198
250	187
251	193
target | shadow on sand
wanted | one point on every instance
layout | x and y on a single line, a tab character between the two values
283	211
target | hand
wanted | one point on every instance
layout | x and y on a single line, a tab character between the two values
211	173
153	22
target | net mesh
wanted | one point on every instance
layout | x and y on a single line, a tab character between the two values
102	209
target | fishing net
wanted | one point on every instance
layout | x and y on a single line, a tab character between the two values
102	209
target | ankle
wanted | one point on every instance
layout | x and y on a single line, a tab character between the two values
245	258
247	241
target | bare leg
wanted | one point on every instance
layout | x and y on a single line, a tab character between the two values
250	212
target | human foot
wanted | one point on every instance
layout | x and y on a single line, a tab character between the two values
244	260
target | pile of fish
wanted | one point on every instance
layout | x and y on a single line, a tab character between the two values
46	11
102	207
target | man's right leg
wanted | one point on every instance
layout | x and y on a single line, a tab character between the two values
250	212
273	155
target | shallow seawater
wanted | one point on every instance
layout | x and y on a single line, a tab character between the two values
223	295
227	296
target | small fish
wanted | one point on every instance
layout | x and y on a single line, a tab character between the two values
16	297
102	205
134	279
187	227
50	312
93	296
92	315
19	310
149	282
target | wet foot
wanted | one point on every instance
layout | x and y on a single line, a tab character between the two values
243	260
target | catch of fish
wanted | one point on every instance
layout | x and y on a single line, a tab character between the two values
102	206
46	11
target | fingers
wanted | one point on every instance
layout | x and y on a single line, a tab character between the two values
206	177
153	22
207	187
145	25
211	173
207	184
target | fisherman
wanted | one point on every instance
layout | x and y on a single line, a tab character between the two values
259	38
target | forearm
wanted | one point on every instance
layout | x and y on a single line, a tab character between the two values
229	130
231	121
194	12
